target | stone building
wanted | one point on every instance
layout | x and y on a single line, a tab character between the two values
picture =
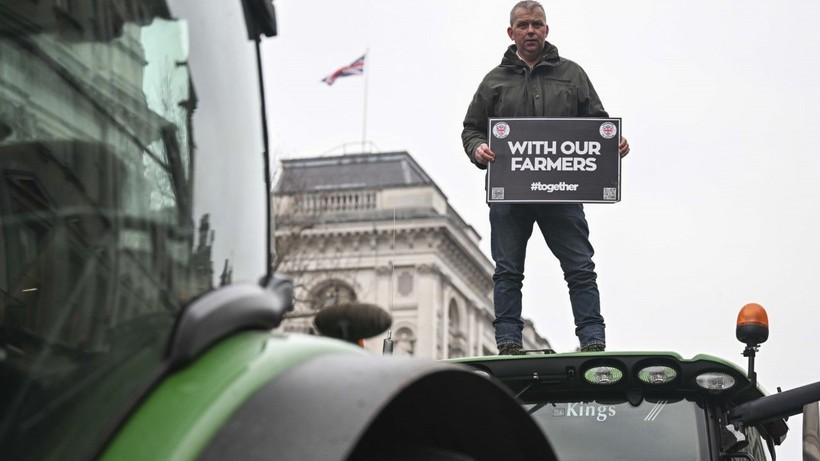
374	228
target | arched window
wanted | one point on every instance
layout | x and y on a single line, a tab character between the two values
332	293
454	323
405	342
456	343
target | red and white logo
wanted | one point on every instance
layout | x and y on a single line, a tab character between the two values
608	130
501	130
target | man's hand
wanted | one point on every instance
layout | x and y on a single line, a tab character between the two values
483	155
623	147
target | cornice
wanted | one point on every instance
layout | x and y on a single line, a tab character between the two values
400	241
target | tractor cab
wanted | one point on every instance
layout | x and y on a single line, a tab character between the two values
644	405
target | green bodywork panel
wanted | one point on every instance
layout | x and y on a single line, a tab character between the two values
181	415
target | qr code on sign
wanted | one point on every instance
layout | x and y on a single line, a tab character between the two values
497	193
610	193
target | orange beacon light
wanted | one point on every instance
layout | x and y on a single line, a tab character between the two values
752	325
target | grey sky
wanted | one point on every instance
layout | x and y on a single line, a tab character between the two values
719	207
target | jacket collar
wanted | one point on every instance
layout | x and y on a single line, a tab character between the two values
549	57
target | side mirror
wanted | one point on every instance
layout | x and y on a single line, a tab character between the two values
352	322
282	288
227	310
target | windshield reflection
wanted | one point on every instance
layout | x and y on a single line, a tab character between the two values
113	214
654	429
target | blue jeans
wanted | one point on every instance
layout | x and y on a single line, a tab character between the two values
566	232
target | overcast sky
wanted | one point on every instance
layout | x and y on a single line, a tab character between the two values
719	100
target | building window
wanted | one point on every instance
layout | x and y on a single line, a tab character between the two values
454	324
456	343
405	342
332	293
405	284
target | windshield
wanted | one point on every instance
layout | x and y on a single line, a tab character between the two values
131	181
604	429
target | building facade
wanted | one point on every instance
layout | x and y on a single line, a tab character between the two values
374	228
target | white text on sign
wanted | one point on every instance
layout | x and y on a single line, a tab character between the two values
540	148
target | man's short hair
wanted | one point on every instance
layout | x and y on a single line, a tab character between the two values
528	5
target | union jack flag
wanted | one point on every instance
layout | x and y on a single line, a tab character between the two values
355	68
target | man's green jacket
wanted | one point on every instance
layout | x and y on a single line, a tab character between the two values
555	87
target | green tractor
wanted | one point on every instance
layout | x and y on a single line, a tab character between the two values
137	301
656	405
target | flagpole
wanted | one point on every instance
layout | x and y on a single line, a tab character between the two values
364	110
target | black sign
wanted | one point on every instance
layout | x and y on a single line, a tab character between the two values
554	160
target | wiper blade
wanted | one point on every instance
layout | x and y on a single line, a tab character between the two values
536	407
